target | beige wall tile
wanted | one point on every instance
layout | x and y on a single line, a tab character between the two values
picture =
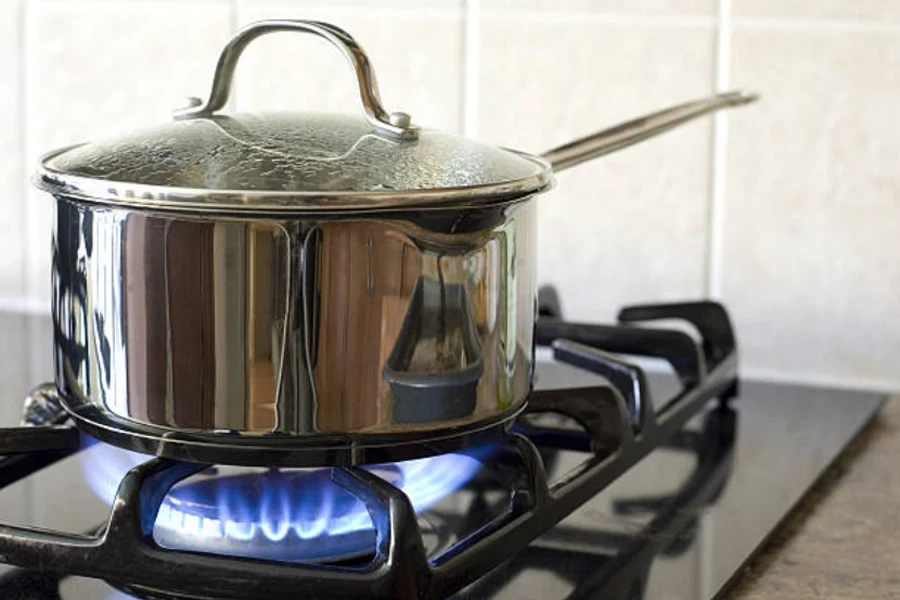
632	226
654	7
812	223
416	53
12	177
847	9
95	68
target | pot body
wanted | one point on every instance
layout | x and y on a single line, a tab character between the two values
367	326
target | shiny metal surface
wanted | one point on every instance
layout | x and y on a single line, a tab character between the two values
395	124
285	327
639	129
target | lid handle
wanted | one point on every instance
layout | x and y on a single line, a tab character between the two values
396	124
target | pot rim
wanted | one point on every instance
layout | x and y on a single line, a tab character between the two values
203	200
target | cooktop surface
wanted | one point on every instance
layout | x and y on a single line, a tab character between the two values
677	526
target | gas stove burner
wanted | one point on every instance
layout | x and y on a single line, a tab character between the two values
297	515
436	535
291	516
618	424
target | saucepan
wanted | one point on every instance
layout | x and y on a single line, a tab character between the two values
301	289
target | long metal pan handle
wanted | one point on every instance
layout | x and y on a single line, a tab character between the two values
631	132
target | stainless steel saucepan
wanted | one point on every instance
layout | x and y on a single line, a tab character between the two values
300	289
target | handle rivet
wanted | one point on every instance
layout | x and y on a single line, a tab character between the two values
400	119
192	102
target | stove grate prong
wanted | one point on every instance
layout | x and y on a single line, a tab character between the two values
140	495
626	377
399	552
709	318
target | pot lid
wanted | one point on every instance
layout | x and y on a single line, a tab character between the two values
288	161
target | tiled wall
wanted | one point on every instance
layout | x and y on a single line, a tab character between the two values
789	211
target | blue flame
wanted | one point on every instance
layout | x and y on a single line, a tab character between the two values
277	513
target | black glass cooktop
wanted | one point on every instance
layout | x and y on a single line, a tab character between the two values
679	525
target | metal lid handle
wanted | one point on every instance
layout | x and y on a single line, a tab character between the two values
396	124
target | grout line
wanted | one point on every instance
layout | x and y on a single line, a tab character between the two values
707	585
803	378
233	24
592	16
552	15
817	24
28	491
876	384
233	7
22	147
25	305
717	201
388	9
471	68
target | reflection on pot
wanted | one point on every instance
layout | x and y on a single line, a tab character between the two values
359	324
436	362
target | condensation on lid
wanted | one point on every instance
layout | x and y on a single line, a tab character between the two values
286	162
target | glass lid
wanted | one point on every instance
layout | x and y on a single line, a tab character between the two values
203	161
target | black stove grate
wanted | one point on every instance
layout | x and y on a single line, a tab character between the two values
622	570
621	425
